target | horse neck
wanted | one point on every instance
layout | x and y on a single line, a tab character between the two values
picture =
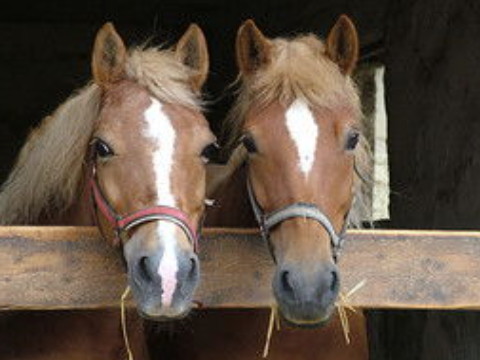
79	213
232	207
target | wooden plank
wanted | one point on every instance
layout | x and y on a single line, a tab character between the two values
65	267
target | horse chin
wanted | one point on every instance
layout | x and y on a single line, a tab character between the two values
164	315
164	318
294	319
310	324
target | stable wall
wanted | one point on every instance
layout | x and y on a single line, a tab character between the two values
432	85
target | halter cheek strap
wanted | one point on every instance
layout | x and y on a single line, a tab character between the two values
122	224
267	221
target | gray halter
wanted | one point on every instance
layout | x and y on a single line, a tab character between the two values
267	221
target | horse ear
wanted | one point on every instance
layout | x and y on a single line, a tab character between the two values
343	44
192	50
109	56
252	47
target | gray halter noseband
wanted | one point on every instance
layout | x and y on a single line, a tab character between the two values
267	221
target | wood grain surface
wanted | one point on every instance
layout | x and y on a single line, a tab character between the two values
72	268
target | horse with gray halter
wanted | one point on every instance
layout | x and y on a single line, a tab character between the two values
299	167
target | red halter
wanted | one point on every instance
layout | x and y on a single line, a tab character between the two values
121	224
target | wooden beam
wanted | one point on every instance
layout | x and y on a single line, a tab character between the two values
66	267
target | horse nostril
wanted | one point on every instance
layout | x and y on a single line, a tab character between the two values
334	283
144	269
285	283
192	273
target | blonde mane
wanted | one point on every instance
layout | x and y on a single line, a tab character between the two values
300	69
48	176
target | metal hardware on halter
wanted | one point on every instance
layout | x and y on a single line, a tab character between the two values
121	224
299	209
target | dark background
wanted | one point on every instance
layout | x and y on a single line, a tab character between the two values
431	50
45	46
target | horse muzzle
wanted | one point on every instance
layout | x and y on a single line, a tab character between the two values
163	279
306	297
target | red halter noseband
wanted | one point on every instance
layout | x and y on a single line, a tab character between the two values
122	224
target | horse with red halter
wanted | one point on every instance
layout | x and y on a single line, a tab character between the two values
297	115
128	151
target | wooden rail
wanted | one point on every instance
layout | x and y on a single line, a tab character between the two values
66	267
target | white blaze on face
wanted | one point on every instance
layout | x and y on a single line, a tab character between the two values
303	130
160	130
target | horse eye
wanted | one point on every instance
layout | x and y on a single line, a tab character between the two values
249	144
210	152
352	140
102	150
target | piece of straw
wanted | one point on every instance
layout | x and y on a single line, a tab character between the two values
123	316
271	322
343	304
277	319
345	324
356	288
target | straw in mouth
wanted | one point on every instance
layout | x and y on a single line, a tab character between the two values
342	306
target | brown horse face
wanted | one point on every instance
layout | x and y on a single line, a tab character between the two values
301	153
149	153
154	158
